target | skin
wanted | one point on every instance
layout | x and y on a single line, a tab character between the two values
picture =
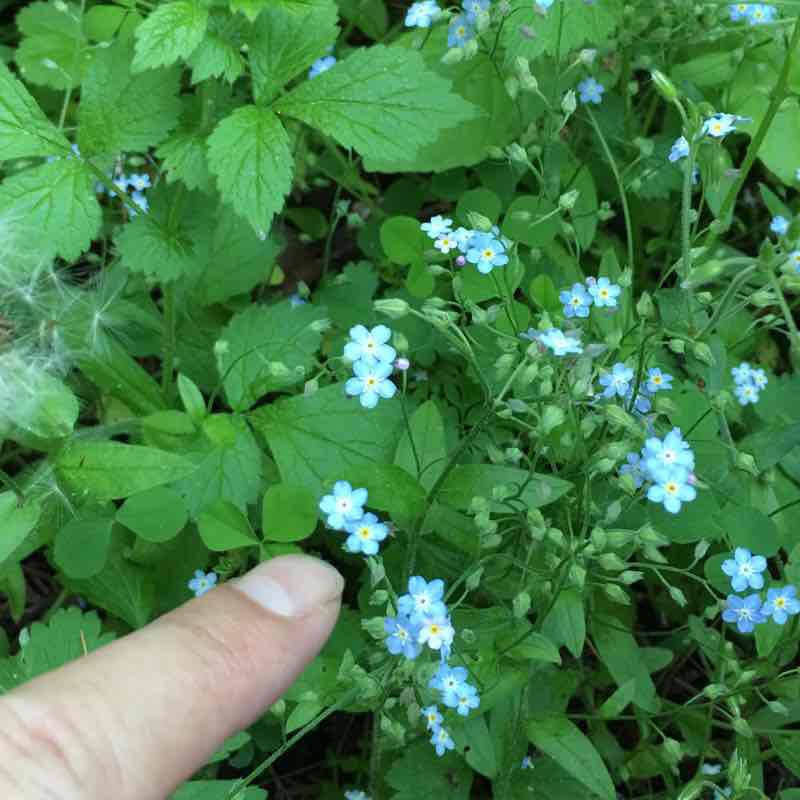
136	718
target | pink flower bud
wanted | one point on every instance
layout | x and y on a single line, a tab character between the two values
460	261
402	364
692	479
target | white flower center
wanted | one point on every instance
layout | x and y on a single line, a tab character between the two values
344	504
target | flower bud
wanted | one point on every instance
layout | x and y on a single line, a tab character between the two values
453	55
567	200
747	463
616	594
611	562
666	88
631	576
479	222
393	307
569	103
644	307
702	352
678	596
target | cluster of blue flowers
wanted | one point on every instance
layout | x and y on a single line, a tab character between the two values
422	14
749	383
423	620
745	571
344	510
135	183
485	250
580	298
559	343
373	362
667	464
717	126
202	582
753	13
463	27
794	260
617	382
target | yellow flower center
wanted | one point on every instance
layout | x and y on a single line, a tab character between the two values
488	253
671	487
780	602
364	532
371	382
434	629
604	293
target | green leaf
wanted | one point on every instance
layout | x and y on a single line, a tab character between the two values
620	653
566	27
56	201
750	528
313	438
81	546
159	244
156	515
566	624
770	445
527	221
370	16
227	465
124	589
104	23
473	739
381	101
216	790
422	449
788	749
390	488
24	129
231	258
16	522
249	153
53	50
219	53
347	297
419	774
269	348
171	32
572	751
111	470
67	636
494	122
403	241
289	513
44	406
222	526
121	112
283	44
618	701
470	480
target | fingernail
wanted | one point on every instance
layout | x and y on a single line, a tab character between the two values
291	586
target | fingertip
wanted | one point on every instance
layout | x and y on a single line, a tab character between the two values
291	585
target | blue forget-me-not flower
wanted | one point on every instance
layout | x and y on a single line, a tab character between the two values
345	504
744	570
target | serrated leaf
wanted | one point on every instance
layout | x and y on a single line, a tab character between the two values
314	437
121	112
232	257
381	101
159	244
68	635
261	337
170	33
112	470
219	53
249	153
24	129
283	44
52	51
56	203
184	158
370	16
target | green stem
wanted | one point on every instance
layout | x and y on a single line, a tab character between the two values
741	278
778	95
785	310
622	193
169	339
686	220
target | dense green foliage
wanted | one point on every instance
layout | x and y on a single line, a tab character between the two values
191	226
